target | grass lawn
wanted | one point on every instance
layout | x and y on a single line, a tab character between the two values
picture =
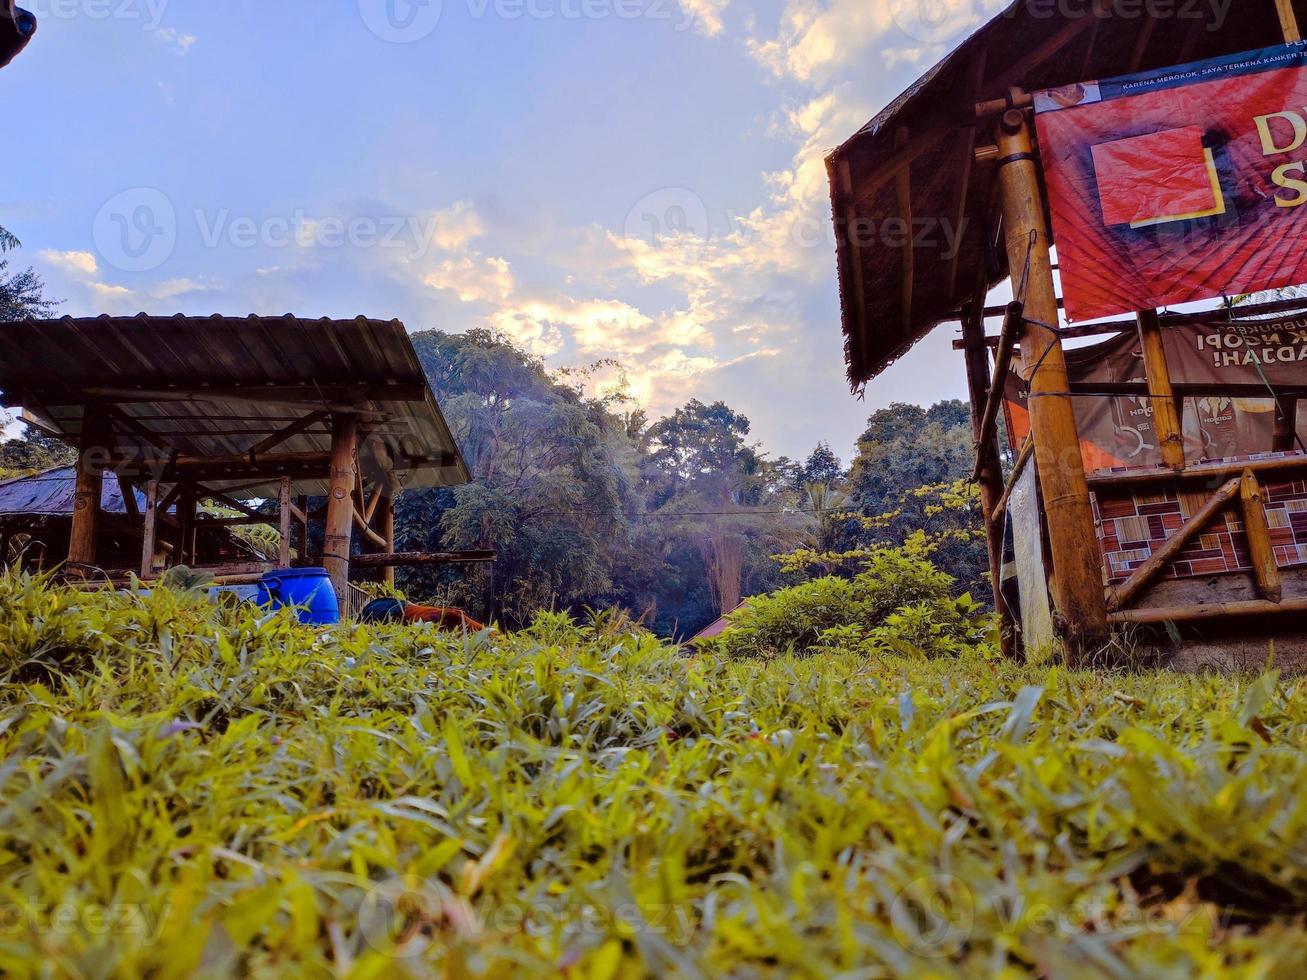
184	788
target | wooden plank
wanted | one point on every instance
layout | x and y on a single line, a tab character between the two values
151	526
1265	571
422	558
283	514
1144	575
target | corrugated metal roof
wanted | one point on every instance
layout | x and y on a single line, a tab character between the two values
51	494
216	386
893	293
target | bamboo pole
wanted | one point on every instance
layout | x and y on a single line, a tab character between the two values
1288	21
340	505
283	521
151	529
1166	421
1265	572
1143	576
1077	579
994	396
92	452
385	521
1216	473
989	467
1214	610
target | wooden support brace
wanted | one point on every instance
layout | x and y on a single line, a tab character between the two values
1265	571
1012	325
1144	575
1288	21
294	429
151	529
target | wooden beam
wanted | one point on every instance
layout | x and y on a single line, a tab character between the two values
1208	611
1166	421
902	157
361	523
422	558
1144	575
340	505
903	199
1013	324
1265	571
1077	565
294	429
283	515
151	528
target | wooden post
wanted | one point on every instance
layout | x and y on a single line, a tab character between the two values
1288	21
1166	422
340	505
283	517
186	506
93	453
1077	579
302	504
150	526
1265	571
385	524
990	468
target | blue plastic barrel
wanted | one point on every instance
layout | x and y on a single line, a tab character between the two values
309	589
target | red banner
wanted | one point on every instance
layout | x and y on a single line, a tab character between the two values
1178	185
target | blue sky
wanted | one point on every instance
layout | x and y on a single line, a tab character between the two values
639	179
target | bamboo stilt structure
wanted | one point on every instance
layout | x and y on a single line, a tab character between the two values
1166	420
1077	579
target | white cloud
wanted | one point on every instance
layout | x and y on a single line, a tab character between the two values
77	263
179	42
473	278
706	15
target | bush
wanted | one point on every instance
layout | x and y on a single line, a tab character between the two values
899	602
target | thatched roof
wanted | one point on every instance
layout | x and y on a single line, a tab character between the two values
916	157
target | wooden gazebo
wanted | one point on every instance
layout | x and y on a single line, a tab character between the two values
234	410
957	153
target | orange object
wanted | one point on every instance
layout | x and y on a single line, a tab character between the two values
445	618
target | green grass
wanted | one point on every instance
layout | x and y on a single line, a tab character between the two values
185	789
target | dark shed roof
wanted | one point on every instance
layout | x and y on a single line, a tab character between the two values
916	157
217	386
50	494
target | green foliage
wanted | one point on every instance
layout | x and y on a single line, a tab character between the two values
899	602
189	789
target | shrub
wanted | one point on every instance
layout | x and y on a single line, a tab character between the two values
899	602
